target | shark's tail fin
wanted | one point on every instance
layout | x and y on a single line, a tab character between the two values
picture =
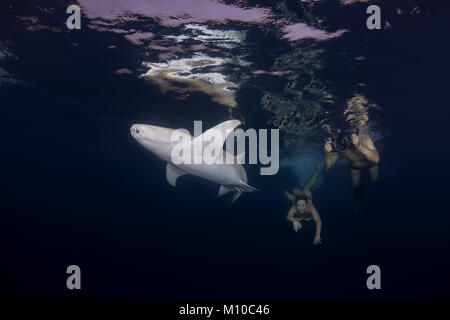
236	195
243	187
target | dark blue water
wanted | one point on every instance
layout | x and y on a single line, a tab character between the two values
77	189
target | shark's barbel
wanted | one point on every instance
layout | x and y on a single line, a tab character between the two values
230	176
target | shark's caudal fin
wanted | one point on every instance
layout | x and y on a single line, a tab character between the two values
246	188
243	187
235	196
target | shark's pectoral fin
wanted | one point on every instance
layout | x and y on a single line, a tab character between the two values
224	190
172	174
235	196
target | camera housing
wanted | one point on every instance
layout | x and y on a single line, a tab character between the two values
341	138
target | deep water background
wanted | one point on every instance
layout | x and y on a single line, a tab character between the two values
77	189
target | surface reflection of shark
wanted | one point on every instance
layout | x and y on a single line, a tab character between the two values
230	176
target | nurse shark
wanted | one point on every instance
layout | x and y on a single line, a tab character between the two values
230	175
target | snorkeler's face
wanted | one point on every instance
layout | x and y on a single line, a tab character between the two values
301	206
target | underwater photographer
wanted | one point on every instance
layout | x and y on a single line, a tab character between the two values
357	147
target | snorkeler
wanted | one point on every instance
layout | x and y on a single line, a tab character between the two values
359	150
302	207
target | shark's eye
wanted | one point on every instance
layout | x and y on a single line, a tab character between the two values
138	131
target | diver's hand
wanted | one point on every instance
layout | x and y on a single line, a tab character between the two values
327	146
317	239
297	225
355	139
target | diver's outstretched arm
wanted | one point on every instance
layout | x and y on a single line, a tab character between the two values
313	179
318	221
290	217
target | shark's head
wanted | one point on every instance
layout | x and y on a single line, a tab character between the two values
156	139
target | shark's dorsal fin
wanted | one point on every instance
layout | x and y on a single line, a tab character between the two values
240	158
172	174
225	128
